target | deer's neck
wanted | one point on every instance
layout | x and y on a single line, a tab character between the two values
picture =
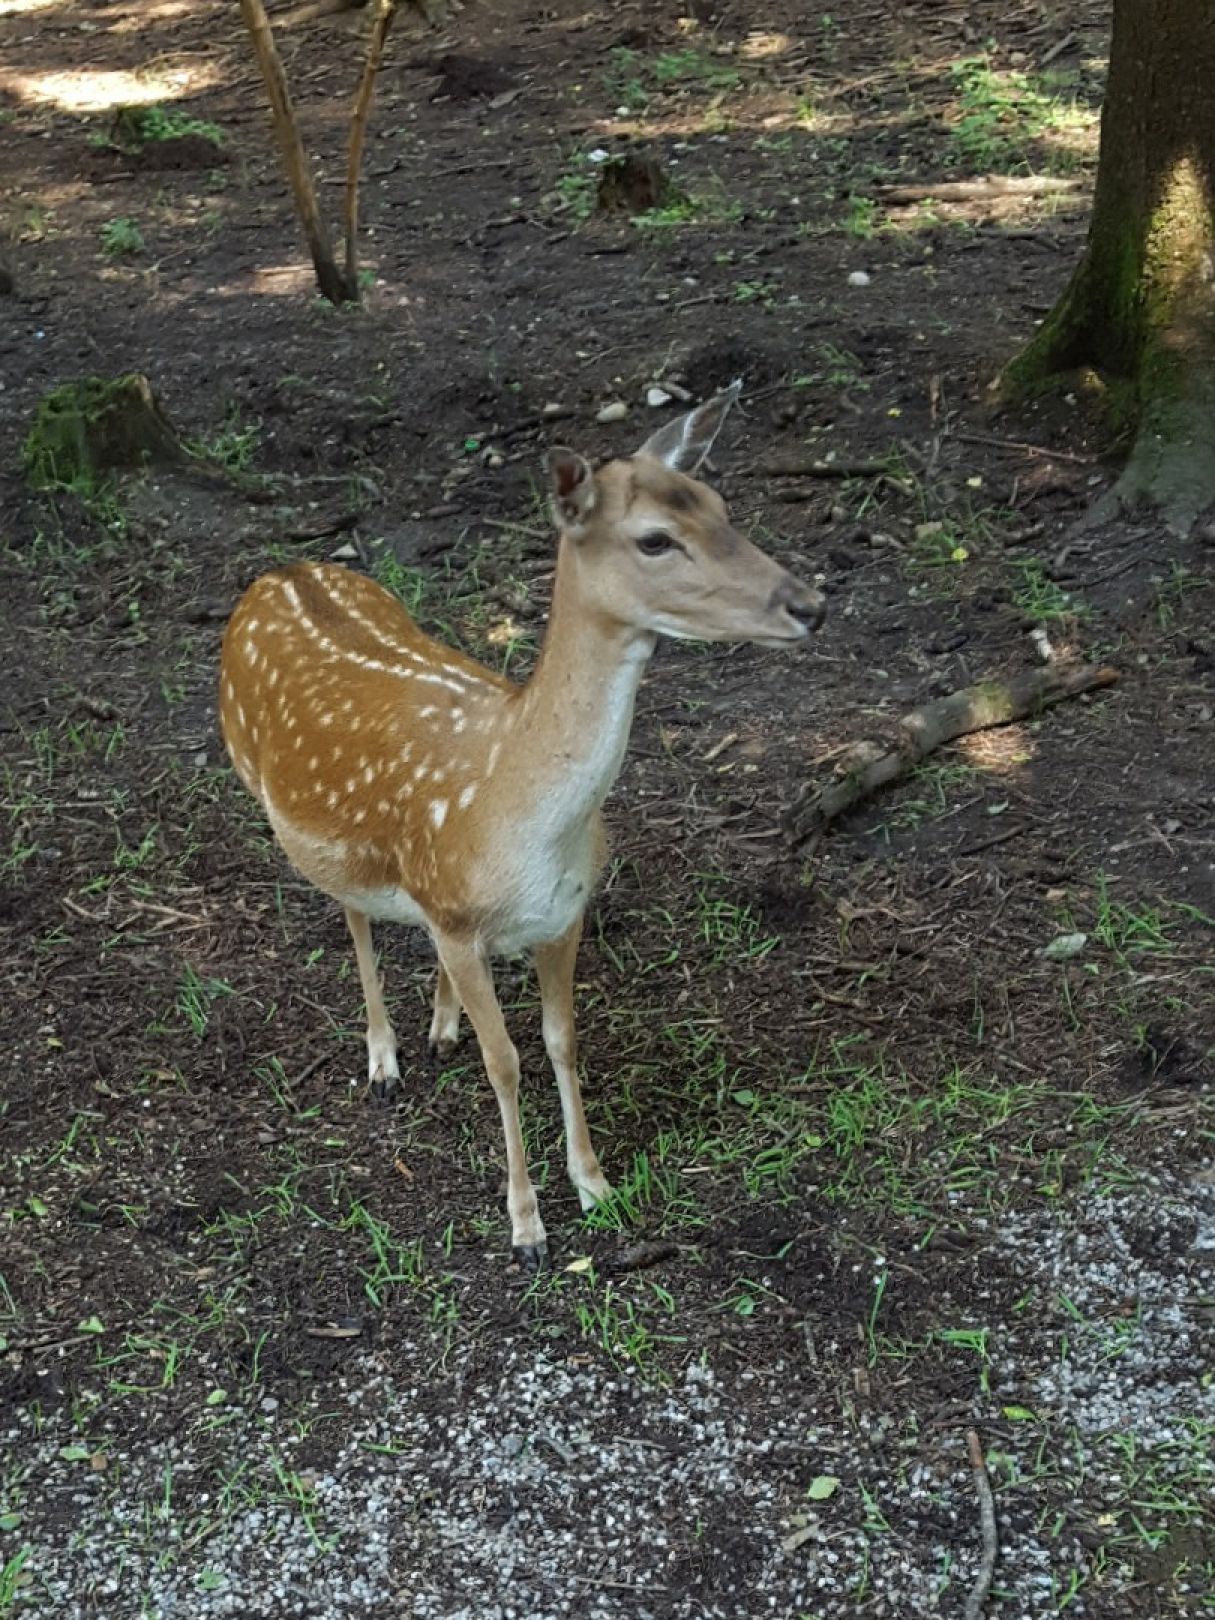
574	715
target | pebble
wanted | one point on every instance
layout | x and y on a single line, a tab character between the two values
615	411
859	278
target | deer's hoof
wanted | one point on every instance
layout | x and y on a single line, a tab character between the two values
384	1086
533	1257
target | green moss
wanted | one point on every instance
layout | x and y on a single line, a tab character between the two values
135	127
84	432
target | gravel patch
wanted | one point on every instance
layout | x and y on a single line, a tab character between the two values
524	1485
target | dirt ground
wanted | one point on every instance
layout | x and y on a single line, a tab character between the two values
886	1171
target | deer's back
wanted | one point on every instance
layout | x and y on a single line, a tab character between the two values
359	733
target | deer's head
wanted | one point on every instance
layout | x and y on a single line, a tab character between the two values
655	550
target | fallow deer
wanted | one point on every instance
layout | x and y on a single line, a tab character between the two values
413	785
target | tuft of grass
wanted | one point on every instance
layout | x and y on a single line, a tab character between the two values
233	446
1039	597
1004	114
195	998
632	80
710	206
575	193
135	127
121	238
862	213
405	583
691	66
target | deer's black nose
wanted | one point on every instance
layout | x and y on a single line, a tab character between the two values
807	606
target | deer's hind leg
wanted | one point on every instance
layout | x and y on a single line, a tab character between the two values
382	1070
445	1024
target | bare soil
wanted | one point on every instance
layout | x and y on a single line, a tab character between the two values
887	1171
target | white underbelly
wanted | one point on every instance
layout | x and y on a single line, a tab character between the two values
538	899
386	905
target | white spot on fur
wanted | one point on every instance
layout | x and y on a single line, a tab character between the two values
467	795
438	811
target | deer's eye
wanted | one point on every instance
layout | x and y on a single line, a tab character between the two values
655	543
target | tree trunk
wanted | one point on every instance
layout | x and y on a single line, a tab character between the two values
329	278
1140	308
385	11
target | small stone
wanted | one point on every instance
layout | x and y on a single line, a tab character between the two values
656	397
859	278
615	411
344	553
200	759
1063	947
928	531
553	408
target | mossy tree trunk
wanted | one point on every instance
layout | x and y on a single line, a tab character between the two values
1140	308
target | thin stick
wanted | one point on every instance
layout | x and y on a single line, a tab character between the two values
1029	449
974	708
820	469
987	1519
295	160
385	12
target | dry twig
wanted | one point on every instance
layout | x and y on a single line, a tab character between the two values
820	469
987	1520
974	708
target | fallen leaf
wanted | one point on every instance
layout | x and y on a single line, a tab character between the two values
799	1538
822	1488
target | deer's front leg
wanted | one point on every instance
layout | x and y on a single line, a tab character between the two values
473	983
555	970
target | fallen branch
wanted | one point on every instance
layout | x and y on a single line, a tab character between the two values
987	1521
990	185
869	766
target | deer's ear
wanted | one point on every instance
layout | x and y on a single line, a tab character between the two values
573	488
684	443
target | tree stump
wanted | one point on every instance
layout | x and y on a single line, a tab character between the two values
85	431
634	183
